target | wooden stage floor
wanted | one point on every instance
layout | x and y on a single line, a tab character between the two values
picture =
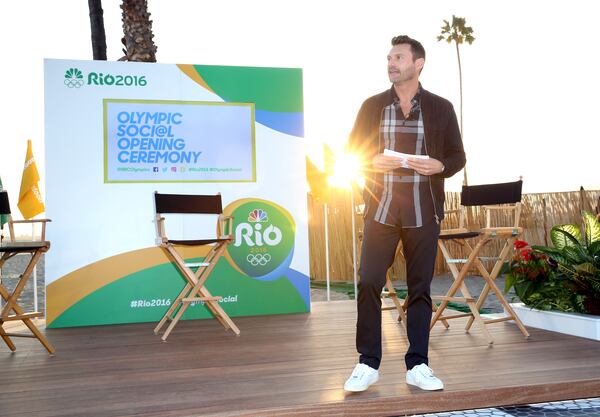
285	365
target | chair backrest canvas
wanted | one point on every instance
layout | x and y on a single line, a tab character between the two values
183	205
4	204
506	196
5	210
501	193
191	204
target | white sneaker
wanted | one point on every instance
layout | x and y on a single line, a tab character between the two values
422	376
363	376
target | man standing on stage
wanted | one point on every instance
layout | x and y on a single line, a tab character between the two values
404	200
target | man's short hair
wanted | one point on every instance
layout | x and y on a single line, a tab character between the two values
415	46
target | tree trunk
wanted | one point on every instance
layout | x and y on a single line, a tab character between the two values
97	28
461	106
137	30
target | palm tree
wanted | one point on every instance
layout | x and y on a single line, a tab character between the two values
137	29
458	32
97	28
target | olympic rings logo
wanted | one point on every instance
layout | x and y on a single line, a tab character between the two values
258	259
73	82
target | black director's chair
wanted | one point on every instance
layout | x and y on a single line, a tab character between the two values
11	310
504	201
194	290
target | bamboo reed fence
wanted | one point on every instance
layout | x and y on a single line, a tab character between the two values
540	212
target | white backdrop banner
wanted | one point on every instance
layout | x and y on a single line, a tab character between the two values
117	132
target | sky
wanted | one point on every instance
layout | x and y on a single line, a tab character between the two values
530	78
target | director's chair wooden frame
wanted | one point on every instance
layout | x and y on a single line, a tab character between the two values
11	310
390	292
492	198
194	290
398	304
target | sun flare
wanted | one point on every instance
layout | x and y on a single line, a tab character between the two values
346	171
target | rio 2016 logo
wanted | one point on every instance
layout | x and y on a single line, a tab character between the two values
264	238
74	79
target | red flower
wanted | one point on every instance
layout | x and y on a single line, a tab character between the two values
526	254
520	244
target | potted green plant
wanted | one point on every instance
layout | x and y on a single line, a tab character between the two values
576	253
535	280
559	279
565	277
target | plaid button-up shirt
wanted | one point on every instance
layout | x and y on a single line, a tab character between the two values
405	198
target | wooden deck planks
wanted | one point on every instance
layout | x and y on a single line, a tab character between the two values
284	365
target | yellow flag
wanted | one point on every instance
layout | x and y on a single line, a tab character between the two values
30	199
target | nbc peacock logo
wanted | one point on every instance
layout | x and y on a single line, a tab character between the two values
264	238
258	216
74	78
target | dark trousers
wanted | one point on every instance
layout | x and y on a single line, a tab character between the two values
377	255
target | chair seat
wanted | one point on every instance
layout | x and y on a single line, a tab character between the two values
24	246
459	235
196	242
502	231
